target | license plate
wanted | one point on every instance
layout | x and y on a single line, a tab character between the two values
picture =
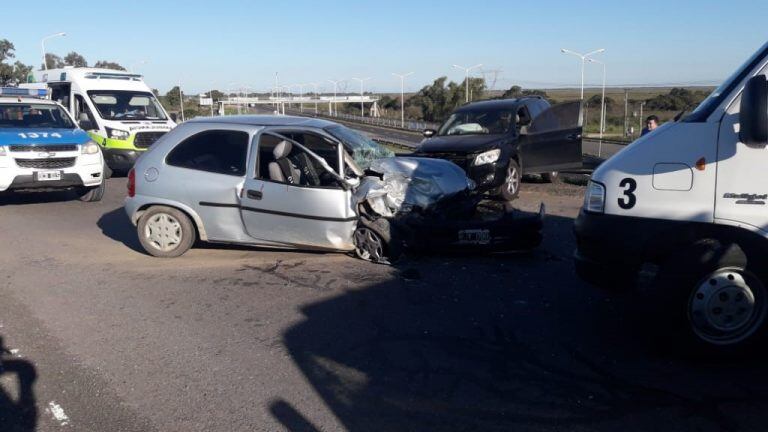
48	175
476	236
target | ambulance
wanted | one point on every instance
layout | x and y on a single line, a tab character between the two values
117	109
681	217
41	147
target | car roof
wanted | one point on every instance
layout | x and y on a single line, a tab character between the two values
496	104
265	120
25	100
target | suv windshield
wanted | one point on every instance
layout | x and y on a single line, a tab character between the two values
34	116
126	105
364	150
489	122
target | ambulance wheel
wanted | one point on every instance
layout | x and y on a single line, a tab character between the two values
373	240
93	194
166	232
551	177
713	300
510	189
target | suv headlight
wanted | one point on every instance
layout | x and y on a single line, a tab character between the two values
90	148
484	158
117	134
594	199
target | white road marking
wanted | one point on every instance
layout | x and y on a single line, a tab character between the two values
58	413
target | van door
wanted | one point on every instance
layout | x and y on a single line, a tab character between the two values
553	140
290	199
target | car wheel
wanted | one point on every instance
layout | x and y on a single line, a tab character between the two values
93	194
551	177
373	242
712	301
166	232
511	187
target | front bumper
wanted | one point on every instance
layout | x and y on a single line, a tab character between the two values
514	231
120	159
86	172
488	176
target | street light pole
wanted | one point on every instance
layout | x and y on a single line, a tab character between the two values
583	58
602	103
317	96
402	96
362	108
335	84
466	77
42	44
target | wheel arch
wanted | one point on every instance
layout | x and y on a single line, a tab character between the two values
196	221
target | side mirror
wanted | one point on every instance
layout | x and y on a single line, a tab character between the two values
753	112
86	124
429	133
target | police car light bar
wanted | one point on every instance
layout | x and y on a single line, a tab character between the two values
24	92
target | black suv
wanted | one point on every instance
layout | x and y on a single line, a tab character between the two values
497	141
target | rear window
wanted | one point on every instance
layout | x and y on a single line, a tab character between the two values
217	151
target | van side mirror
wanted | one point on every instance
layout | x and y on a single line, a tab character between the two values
753	112
429	133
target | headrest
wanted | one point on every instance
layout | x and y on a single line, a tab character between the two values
282	149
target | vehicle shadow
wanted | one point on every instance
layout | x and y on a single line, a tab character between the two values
505	342
11	198
116	225
18	409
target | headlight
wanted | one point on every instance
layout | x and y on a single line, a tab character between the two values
90	148
117	134
594	199
490	156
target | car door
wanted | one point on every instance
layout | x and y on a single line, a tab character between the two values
317	213
552	142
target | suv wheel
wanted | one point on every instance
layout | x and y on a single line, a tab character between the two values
510	189
165	232
93	194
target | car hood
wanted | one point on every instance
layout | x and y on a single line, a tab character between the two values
48	136
458	143
406	183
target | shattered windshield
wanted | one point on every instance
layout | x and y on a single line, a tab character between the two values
364	150
488	122
126	105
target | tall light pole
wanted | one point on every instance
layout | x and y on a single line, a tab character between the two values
181	101
466	77
317	96
335	86
402	96
583	58
42	44
362	80
301	96
140	62
602	102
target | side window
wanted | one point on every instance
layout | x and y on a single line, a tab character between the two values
283	162
558	117
216	151
82	112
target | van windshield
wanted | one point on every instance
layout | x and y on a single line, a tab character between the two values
126	105
34	116
486	122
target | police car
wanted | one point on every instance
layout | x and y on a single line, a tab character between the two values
41	147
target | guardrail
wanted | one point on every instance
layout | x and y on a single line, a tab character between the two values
390	123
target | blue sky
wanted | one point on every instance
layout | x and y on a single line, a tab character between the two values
204	44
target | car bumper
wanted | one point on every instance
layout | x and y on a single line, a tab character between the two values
121	159
488	176
87	172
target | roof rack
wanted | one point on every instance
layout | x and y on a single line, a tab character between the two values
113	75
40	93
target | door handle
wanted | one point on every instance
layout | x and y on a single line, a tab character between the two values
573	136
254	194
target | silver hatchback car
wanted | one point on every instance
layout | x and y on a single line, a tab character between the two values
301	183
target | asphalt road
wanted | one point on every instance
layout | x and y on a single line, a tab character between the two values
98	336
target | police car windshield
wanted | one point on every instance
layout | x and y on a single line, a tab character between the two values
126	105
486	122
34	116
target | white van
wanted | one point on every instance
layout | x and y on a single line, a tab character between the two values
686	207
117	108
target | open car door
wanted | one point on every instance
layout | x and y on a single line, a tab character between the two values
553	140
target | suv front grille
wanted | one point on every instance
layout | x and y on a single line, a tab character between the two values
459	159
146	139
51	163
43	148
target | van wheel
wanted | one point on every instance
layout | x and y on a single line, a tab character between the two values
165	232
511	187
551	177
712	299
373	241
93	194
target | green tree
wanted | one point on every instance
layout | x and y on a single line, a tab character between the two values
11	73
75	59
103	64
172	98
52	61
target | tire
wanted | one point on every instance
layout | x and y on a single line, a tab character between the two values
165	232
93	194
714	303
511	187
551	177
374	242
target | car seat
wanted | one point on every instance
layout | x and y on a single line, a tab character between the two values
282	169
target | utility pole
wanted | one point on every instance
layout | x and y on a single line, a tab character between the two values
641	114
626	112
362	80
402	96
181	102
